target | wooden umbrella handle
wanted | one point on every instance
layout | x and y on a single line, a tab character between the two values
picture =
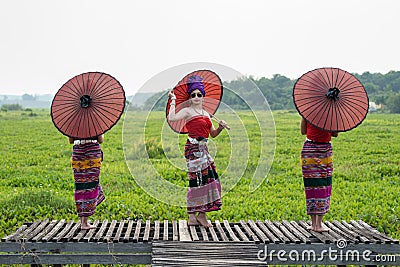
218	120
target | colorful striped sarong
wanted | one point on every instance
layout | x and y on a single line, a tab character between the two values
204	193
317	168
86	164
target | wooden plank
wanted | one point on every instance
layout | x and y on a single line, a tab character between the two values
36	231
175	234
103	227
355	236
273	234
146	231
25	233
375	233
156	235
361	237
165	234
370	228
79	236
16	233
287	232
44	232
370	234
221	231
193	233
213	233
64	231
128	231
296	232
242	235
118	234
336	235
91	232
203	233
342	234
249	231
71	247
137	231
54	231
184	234
230	231
258	232
299	228
333	237
82	260
205	254
268	237
110	231
320	236
70	234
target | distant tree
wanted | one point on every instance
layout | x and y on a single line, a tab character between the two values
156	101
371	87
393	103
381	88
28	97
11	107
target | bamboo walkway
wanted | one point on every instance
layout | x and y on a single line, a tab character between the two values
174	243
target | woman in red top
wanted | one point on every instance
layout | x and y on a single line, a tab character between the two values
317	168
204	193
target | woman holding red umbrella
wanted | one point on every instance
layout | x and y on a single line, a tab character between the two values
83	109
204	193
317	168
330	100
87	158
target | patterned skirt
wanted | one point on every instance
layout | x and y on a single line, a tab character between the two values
204	193
317	168
86	164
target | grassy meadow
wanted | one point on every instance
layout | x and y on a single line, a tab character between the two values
36	180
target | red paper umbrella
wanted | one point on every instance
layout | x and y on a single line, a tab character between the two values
331	99
88	105
213	89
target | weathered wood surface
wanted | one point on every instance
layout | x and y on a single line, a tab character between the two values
255	231
205	254
161	241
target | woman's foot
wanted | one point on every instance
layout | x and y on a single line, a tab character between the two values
202	219
318	225
320	229
193	220
87	227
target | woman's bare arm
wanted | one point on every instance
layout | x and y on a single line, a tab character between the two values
303	126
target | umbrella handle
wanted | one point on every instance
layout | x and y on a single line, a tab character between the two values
218	120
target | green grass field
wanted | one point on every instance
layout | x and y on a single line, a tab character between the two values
36	179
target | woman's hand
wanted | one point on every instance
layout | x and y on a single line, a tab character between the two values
100	138
303	126
171	95
223	124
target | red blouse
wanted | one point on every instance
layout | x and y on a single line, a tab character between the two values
317	135
199	126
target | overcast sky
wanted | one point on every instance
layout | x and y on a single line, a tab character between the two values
44	43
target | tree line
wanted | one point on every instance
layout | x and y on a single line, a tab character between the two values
383	89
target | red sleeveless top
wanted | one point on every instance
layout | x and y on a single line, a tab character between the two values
199	126
317	135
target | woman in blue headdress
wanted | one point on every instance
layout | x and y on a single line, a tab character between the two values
204	193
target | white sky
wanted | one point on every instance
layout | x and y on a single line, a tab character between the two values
44	43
